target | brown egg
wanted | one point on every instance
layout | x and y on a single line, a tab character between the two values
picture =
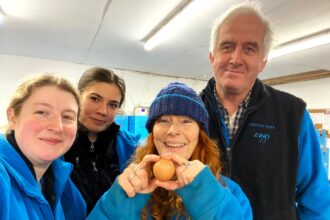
164	169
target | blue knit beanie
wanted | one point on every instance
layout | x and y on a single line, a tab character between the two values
178	99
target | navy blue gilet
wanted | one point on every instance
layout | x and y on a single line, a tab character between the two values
263	155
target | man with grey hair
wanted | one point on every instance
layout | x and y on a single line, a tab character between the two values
267	140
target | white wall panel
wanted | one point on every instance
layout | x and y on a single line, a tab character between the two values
316	93
141	87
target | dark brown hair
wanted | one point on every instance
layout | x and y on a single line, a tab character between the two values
98	74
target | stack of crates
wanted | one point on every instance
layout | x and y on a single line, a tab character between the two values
136	125
324	150
122	121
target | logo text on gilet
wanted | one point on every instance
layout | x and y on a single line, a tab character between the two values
262	135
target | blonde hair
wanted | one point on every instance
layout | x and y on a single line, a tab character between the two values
163	203
26	89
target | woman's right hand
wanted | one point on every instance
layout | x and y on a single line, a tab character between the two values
135	178
185	170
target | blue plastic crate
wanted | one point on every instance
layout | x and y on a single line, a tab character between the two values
136	125
122	121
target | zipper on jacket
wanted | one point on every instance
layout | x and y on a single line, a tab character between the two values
228	149
92	148
94	166
223	141
228	154
96	176
232	140
93	159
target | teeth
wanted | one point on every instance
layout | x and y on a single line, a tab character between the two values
174	145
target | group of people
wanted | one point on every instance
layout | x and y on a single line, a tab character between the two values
241	149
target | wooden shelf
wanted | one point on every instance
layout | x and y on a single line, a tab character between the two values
299	77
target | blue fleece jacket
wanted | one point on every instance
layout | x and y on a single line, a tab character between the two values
204	198
313	189
21	197
126	144
275	155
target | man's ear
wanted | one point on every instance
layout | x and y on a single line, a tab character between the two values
11	117
262	66
211	58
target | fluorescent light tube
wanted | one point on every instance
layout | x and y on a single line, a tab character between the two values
299	45
15	8
174	24
2	17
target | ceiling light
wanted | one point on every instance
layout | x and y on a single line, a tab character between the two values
14	8
2	17
178	19
301	44
8	7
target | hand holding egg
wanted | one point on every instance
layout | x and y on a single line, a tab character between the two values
164	169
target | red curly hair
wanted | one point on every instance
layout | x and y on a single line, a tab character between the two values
163	203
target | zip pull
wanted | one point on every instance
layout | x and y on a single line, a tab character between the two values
94	166
92	148
228	154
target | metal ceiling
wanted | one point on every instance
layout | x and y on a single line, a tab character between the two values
109	33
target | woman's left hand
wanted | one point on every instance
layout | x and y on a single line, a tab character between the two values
135	178
185	170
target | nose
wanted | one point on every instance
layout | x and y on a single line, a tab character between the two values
236	56
55	124
102	109
173	130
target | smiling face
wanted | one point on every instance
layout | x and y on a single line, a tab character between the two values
99	106
46	125
176	134
238	57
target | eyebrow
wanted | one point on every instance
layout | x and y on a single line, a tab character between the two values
101	97
96	94
226	42
113	101
50	106
255	44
